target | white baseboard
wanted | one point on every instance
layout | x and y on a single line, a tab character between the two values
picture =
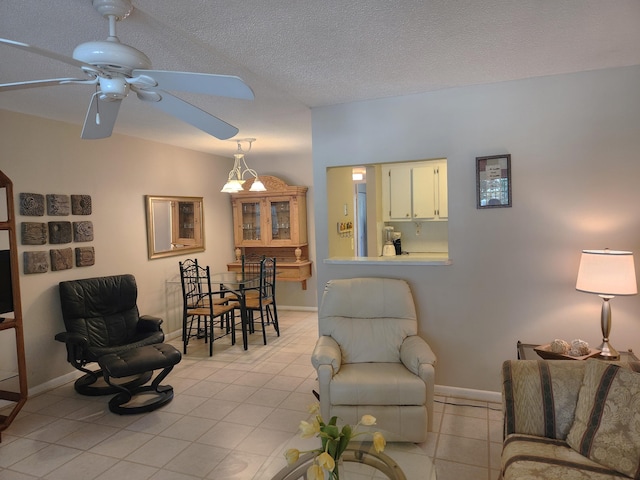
294	307
468	393
55	383
172	335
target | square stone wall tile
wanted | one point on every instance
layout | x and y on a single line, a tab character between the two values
36	262
32	204
59	232
85	256
81	204
61	259
58	205
82	231
33	233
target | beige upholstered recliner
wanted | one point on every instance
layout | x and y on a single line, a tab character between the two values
370	359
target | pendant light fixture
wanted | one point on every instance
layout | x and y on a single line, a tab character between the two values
240	168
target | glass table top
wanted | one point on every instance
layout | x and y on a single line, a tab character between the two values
399	461
236	280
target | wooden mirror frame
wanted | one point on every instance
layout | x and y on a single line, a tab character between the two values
163	220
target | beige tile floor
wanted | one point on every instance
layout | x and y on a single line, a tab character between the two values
230	415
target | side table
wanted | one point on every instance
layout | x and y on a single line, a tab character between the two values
526	352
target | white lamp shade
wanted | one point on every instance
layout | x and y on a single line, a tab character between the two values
232	186
257	186
607	272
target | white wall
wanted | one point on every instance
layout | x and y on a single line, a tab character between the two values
44	156
575	146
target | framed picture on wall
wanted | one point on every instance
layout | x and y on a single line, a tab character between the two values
493	181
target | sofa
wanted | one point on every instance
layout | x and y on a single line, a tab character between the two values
570	420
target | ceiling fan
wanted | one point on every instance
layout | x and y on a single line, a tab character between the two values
116	69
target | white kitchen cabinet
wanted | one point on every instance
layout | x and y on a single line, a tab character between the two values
415	191
399	204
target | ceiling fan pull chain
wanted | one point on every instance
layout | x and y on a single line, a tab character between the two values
97	106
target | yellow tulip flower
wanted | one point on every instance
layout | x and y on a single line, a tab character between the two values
315	472
379	442
308	430
368	420
292	455
326	461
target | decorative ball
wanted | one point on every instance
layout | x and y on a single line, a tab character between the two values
560	346
579	348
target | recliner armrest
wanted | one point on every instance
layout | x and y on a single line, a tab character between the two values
73	339
414	352
327	352
148	323
76	346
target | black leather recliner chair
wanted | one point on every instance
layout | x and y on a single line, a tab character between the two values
101	316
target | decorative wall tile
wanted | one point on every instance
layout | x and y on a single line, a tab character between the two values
36	262
82	231
33	233
85	256
61	259
32	204
58	205
81	204
59	232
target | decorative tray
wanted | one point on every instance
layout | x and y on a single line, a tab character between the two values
545	352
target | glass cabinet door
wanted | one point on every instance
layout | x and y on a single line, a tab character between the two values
280	220
250	215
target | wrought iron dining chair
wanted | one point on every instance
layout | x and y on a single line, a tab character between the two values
264	301
202	305
251	263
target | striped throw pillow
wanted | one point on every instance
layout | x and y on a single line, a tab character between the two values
606	428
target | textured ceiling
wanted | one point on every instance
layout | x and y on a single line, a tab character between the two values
297	54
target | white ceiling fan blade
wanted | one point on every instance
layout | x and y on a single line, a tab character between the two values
195	116
100	119
56	56
208	83
41	83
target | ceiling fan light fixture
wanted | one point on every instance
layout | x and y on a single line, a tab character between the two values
113	88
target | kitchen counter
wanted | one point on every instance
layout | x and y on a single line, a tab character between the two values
417	258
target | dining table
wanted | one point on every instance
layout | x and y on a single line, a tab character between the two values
239	283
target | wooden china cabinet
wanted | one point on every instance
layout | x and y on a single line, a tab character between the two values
13	377
273	223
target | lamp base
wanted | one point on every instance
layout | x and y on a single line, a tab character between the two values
607	352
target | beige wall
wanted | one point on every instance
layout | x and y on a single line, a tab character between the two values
575	146
44	156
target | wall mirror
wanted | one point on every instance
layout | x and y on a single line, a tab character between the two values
175	225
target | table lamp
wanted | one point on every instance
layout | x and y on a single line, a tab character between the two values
607	273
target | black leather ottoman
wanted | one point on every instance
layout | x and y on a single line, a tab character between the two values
134	362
